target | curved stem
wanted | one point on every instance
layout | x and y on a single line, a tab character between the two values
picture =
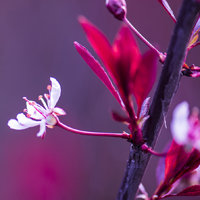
160	55
89	133
150	150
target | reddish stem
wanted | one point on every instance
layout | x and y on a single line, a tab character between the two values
89	133
150	150
160	55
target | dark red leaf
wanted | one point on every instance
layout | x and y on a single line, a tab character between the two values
177	163
176	158
144	77
127	58
100	44
193	190
98	70
190	191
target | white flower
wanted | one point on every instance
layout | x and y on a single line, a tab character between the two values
185	128
180	124
38	115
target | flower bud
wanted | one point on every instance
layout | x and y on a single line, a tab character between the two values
117	8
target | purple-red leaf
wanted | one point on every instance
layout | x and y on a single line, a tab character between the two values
144	78
177	163
100	44
98	70
193	190
166	6
190	191
176	158
127	57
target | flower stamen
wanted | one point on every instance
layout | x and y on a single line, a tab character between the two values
25	110
49	87
43	102
34	106
28	115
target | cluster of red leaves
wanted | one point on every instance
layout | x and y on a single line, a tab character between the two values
132	73
178	163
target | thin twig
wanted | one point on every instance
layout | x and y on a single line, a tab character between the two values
89	133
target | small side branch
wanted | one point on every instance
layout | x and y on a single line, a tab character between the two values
166	89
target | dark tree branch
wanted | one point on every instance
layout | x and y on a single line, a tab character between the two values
166	89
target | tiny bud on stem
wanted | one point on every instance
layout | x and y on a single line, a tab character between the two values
117	8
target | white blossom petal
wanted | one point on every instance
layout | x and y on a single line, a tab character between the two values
55	93
14	124
141	196
33	112
25	121
179	124
22	122
42	128
142	189
59	111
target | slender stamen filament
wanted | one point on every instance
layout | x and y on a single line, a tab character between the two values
33	104
43	102
121	135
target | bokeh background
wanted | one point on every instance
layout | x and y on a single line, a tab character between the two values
36	43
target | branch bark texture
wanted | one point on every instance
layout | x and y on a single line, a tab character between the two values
166	89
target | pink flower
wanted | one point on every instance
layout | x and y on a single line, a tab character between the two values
38	115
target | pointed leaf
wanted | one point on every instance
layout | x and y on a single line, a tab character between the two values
166	6
99	43
127	58
175	160
98	70
178	162
190	191
145	77
193	190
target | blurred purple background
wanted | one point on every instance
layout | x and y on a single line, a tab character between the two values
36	42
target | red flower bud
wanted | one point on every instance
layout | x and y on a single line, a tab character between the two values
117	8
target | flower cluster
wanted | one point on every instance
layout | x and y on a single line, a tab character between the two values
38	115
